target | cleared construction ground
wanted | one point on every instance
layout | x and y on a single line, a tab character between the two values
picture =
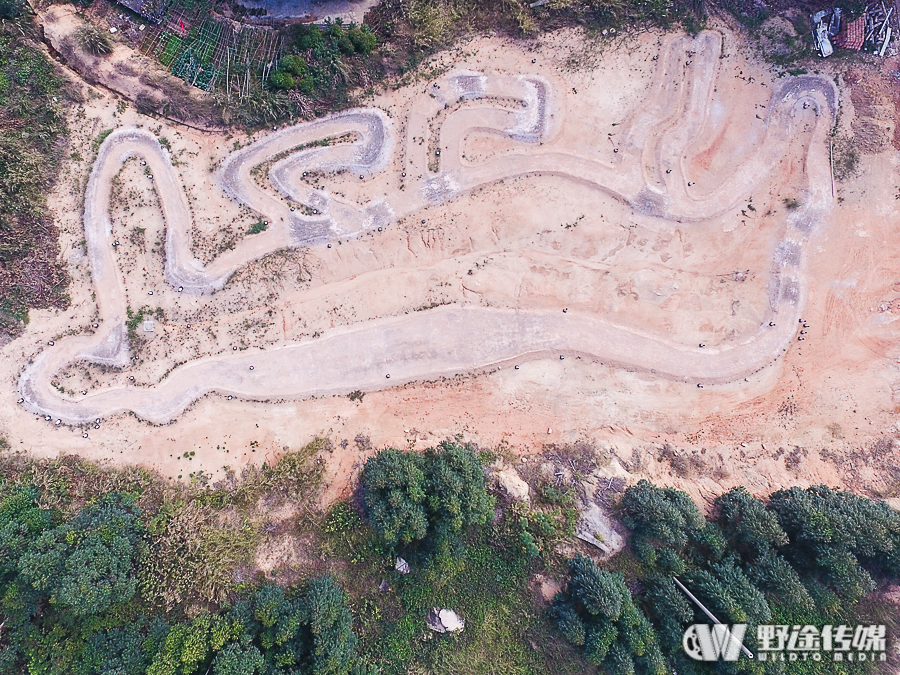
523	243
647	172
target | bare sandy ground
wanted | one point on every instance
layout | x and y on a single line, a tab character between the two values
550	192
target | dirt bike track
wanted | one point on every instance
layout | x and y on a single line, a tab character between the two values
647	169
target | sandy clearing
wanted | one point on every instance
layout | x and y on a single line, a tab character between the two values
443	342
536	242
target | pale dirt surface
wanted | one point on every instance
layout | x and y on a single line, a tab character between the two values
537	243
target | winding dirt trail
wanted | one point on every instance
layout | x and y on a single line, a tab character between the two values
648	171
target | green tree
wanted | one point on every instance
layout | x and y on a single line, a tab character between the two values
86	566
601	593
830	530
308	632
237	660
21	521
124	650
663	514
456	488
746	523
598	612
393	485
330	621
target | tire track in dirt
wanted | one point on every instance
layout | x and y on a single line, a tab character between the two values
448	340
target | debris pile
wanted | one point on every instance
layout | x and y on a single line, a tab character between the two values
870	31
826	25
852	34
878	28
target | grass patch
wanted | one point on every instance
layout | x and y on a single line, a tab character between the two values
33	102
486	580
131	324
258	227
846	158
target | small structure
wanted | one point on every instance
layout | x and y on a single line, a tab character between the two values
148	325
826	25
852	34
152	10
402	566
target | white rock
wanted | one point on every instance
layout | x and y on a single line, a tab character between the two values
512	484
596	528
444	620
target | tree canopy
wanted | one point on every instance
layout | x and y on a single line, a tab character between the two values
411	496
808	556
71	604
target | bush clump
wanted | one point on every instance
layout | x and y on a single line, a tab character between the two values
410	496
281	79
92	39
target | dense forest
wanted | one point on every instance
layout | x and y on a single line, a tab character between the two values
119	571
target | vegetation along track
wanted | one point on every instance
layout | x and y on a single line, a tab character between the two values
647	172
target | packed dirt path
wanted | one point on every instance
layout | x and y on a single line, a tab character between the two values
647	173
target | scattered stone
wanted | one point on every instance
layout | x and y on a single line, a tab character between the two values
549	588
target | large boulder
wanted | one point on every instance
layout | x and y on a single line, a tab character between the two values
512	484
596	528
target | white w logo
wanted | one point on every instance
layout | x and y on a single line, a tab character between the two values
703	642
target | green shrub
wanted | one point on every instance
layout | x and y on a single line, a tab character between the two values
343	44
307	37
281	79
295	65
257	227
363	39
